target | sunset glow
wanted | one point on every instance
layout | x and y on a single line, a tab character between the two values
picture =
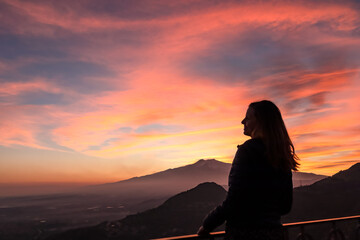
94	92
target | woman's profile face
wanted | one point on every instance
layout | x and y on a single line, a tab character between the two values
249	122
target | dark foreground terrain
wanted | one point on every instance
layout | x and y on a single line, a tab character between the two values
335	196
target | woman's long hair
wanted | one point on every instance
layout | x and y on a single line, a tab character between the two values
271	129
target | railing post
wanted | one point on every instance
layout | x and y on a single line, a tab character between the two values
335	233
357	232
303	235
38	234
286	233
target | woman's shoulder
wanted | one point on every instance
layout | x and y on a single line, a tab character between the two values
254	144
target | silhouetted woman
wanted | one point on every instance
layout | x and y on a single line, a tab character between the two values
260	180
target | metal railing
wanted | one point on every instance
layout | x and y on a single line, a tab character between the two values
335	233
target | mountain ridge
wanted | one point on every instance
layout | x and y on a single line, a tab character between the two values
199	163
161	185
211	164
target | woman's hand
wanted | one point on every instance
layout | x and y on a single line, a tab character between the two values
202	231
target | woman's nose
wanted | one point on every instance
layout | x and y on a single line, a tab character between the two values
243	121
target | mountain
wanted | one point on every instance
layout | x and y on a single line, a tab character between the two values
334	196
159	186
171	181
304	179
180	214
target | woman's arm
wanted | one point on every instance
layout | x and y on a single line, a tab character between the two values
218	216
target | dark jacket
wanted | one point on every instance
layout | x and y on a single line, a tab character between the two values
258	193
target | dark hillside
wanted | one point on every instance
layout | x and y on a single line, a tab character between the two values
181	214
334	196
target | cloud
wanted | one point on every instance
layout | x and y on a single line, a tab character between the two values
99	15
42	98
339	164
317	149
70	70
125	129
82	76
44	138
293	62
159	128
307	104
14	47
254	54
106	143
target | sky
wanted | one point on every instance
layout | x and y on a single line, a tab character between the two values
101	91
